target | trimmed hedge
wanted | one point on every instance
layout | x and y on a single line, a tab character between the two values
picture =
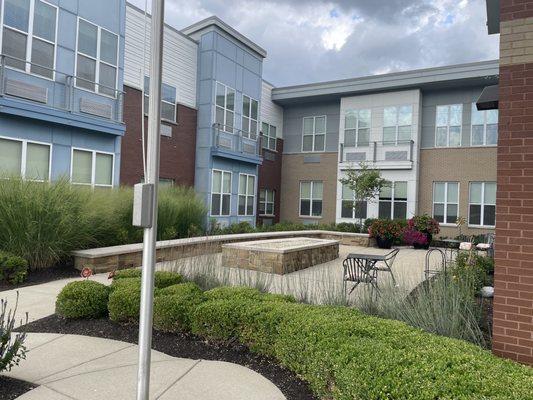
13	269
244	292
161	278
173	306
83	299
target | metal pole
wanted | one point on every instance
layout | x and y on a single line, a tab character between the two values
152	177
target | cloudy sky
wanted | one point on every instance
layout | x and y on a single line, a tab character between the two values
314	40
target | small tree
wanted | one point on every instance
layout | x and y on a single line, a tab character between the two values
366	184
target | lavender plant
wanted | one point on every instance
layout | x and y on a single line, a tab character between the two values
12	349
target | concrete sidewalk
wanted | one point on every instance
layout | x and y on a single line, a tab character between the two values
72	367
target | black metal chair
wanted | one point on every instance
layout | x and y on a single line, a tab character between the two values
386	265
358	271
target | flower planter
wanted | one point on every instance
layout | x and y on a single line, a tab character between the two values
384	243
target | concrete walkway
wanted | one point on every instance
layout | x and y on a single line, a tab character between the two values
72	367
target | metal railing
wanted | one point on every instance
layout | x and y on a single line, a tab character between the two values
379	150
236	140
30	81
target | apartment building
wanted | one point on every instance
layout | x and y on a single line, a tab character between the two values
254	152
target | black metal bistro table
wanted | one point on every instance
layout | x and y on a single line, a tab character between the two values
367	261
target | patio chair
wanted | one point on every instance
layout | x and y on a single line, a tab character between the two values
356	272
386	265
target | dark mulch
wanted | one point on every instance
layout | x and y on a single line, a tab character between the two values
11	388
181	345
44	275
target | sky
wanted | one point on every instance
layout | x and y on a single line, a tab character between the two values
311	40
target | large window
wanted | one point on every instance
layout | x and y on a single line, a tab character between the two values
29	160
246	194
168	100
393	201
225	107
357	128
350	208
446	202
269	136
314	133
29	36
92	168
448	122
221	193
484	127
266	201
249	117
397	123
97	58
311	199
482	204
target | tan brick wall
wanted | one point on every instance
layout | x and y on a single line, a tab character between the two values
461	165
516	41
293	171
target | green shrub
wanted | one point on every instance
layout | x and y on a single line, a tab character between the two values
244	292
13	269
127	273
125	300
473	270
83	299
174	305
161	278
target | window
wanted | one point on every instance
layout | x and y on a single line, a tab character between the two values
484	127
448	125
357	128
29	160
349	207
29	36
221	193
311	199
397	123
446	202
269	136
249	117
224	107
482	204
92	168
168	100
246	194
393	201
266	201
314	133
97	58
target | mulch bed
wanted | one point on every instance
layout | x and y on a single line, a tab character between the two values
11	388
38	276
181	345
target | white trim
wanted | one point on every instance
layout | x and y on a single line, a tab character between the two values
93	167
268	136
446	203
266	202
311	199
485	112
24	156
251	120
397	125
175	104
221	193
448	126
482	205
246	195
226	87
393	201
356	129
314	134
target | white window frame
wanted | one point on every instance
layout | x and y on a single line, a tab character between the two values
484	144
225	108
246	196
93	167
393	199
248	133
482	204
314	134
446	202
267	137
147	96
353	200
311	199
265	203
97	60
221	193
357	113
448	125
397	126
24	155
29	39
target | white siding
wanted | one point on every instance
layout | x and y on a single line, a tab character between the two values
179	57
271	112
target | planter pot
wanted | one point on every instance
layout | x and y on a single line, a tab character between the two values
424	246
384	243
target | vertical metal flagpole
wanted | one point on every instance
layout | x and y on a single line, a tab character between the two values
152	177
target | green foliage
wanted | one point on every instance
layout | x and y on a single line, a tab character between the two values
174	305
83	299
386	228
12	349
161	278
424	223
243	292
13	269
125	300
472	270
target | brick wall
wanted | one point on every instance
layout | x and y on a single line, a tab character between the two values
270	178
177	152
513	301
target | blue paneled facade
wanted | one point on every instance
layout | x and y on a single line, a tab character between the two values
61	88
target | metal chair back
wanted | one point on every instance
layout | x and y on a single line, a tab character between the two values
355	272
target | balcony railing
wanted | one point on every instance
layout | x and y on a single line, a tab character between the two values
60	91
378	152
235	140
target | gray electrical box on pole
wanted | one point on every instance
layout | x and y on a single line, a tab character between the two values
143	204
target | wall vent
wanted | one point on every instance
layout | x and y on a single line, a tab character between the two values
268	155
396	156
166	130
27	91
95	108
248	148
361	156
312	159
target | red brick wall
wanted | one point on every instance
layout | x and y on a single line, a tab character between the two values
177	152
270	178
515	9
